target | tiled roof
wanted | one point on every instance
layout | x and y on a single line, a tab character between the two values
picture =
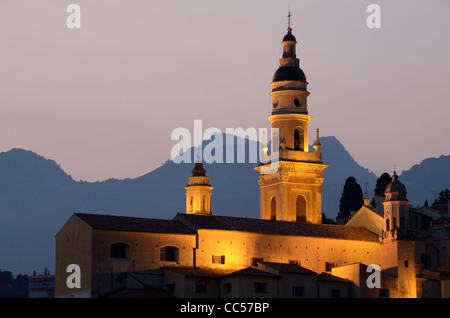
276	227
289	268
251	271
198	272
325	277
133	224
190	223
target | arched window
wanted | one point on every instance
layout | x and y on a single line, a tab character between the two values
204	204
300	208
299	138
120	250
273	209
169	254
191	204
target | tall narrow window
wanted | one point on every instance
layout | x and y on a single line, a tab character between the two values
191	204
300	206
299	139
273	209
388	227
204	204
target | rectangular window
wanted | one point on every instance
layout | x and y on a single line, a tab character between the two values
120	250
168	253
260	288
293	262
438	233
406	263
227	288
424	259
218	259
442	252
298	291
336	293
200	288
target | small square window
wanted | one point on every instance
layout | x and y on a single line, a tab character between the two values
200	288
298	291
335	293
260	288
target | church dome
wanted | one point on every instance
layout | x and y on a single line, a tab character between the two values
289	36
198	169
395	190
289	69
287	73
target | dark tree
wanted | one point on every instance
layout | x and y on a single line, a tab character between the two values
443	197
326	220
351	199
382	182
11	287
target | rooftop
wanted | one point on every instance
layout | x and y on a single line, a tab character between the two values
133	224
191	223
196	222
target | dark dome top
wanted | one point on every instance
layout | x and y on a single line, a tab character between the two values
289	36
396	188
198	169
287	73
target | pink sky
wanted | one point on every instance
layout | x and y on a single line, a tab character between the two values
103	100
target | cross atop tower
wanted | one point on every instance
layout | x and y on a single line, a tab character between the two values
289	19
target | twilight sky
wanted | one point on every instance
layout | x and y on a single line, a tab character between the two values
103	100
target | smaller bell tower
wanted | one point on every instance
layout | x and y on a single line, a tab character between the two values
396	211
397	248
198	191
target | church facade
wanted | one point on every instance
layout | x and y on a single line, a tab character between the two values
288	252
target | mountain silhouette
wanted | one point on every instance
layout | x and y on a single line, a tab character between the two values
37	197
424	181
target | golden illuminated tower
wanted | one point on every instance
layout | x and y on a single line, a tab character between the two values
198	191
294	192
396	211
397	248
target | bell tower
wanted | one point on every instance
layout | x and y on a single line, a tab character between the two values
294	192
397	248
396	211
198	191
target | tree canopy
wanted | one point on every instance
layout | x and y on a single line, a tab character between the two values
382	182
443	197
351	199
